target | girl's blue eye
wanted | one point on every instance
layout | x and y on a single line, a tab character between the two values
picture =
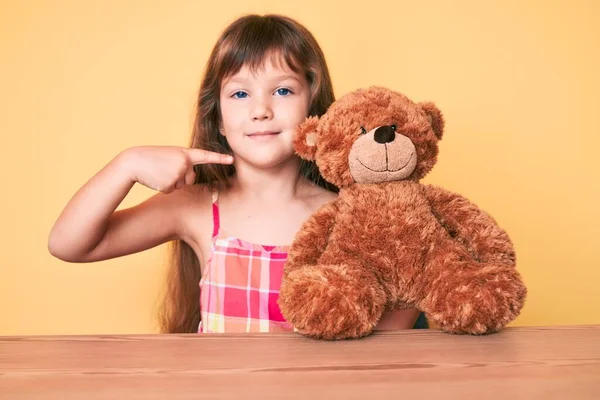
283	91
242	95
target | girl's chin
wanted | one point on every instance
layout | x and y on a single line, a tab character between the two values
267	161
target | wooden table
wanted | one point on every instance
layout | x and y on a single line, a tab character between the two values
517	363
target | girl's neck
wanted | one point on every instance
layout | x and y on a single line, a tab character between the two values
282	182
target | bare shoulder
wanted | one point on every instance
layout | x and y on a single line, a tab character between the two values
191	207
318	197
188	196
193	200
192	194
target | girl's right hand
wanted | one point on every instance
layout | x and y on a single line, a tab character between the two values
166	168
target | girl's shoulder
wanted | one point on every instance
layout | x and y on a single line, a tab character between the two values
192	196
180	201
192	205
193	211
318	196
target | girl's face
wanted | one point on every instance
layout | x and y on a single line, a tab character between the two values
260	112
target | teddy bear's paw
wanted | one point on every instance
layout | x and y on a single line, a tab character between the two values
483	303
331	301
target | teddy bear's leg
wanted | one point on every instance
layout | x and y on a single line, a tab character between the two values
332	301
467	297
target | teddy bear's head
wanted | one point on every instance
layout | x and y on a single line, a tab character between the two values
372	135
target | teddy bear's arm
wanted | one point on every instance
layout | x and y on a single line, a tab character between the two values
324	297
477	294
472	227
311	240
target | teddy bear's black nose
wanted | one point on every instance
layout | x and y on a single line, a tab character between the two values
385	134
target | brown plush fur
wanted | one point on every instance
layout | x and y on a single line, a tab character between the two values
388	241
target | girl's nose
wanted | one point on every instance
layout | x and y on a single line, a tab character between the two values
261	111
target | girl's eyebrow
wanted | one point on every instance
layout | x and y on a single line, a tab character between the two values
285	77
277	78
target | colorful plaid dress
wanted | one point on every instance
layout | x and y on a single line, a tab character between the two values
240	284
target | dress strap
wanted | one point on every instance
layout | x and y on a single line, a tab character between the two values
215	212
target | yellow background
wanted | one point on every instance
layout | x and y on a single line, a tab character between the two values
80	81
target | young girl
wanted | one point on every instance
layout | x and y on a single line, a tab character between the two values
232	202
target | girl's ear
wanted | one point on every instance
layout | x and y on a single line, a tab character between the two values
305	139
435	116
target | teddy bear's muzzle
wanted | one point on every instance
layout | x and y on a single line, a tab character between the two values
382	155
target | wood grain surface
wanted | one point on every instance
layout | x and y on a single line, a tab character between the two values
517	363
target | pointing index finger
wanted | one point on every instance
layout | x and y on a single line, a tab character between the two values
199	156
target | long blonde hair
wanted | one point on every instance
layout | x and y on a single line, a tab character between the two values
248	41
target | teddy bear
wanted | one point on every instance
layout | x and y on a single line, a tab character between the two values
389	242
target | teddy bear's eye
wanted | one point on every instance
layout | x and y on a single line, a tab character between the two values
394	127
362	130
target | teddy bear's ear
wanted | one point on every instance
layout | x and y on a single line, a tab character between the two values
305	140
436	119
